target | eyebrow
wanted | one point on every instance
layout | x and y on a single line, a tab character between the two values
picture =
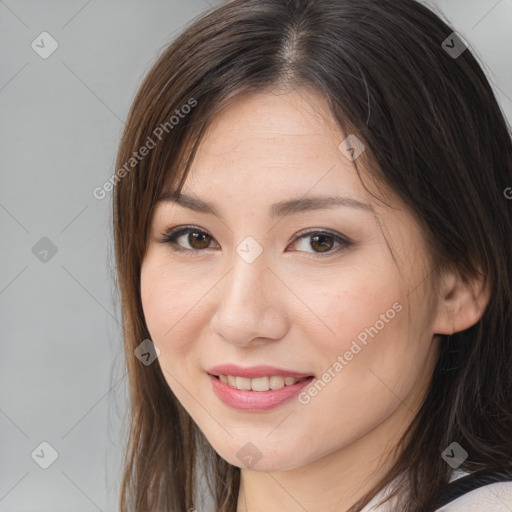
280	209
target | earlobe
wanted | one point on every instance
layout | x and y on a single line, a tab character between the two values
462	302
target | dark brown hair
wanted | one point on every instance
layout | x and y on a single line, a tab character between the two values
434	134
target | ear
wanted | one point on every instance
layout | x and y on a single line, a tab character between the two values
462	302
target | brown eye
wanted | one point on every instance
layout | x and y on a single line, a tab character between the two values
198	239
321	242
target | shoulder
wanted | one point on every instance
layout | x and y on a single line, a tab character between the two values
489	498
495	497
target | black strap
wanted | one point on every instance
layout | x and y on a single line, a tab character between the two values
468	483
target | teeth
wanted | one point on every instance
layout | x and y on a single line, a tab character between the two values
258	384
277	382
243	383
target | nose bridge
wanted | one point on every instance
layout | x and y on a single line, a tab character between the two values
247	278
244	308
245	284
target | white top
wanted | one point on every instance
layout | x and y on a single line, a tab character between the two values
489	498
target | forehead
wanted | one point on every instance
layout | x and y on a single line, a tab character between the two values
286	143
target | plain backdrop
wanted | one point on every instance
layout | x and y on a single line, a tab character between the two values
62	378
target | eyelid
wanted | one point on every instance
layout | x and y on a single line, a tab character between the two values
171	234
313	231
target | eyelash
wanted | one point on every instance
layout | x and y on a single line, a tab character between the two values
171	236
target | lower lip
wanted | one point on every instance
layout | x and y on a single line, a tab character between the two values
255	400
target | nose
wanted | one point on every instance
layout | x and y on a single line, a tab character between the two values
251	304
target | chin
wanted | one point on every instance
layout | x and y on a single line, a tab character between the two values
260	455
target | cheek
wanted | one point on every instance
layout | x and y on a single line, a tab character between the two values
362	305
174	304
165	302
369	341
376	357
168	306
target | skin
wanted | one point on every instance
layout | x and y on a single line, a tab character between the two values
294	308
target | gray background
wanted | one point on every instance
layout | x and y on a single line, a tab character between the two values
61	368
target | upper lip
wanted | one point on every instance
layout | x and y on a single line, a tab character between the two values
254	372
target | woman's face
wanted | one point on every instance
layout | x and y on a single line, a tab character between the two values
262	284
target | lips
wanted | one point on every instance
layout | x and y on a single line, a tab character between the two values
255	401
251	399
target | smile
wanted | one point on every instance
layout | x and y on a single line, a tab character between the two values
260	383
242	396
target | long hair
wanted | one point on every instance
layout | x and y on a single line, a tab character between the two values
435	134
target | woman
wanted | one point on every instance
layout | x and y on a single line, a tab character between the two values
314	253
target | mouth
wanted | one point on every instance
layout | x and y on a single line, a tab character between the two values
259	384
257	394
